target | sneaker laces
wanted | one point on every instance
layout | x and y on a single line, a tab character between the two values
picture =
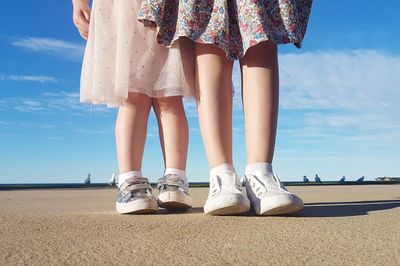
216	185
174	181
267	182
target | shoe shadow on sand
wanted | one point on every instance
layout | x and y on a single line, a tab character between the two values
194	210
317	209
345	209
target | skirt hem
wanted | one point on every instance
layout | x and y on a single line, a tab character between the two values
151	22
114	103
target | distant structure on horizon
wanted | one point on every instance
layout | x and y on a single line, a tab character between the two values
305	179
112	181
360	180
342	179
87	180
317	179
387	178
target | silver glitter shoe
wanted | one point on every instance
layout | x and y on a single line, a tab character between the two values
174	193
135	196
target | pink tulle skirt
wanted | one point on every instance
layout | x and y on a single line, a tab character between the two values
122	56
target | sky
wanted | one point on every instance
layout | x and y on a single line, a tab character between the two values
339	102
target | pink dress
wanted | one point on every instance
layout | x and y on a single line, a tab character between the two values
123	56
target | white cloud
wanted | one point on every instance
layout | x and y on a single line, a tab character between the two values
41	79
50	102
31	103
351	80
27	105
66	50
334	96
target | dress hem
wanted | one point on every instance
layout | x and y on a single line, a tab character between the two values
115	103
151	22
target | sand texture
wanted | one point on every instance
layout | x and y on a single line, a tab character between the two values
341	225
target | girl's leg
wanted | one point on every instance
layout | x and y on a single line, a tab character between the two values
260	90
174	137
173	130
131	130
214	102
260	100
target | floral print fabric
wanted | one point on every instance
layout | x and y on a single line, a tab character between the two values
232	25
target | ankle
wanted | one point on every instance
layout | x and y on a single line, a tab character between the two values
175	171
225	168
259	168
124	176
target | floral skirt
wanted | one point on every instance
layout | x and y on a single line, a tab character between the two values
232	25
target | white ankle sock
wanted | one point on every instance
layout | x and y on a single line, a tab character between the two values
122	177
259	169
222	168
174	171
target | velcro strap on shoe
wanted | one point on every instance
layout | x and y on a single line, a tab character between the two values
170	180
135	184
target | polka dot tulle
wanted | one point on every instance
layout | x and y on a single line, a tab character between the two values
123	56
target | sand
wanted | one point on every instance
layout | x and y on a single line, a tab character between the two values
346	225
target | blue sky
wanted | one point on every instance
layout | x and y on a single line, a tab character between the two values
339	110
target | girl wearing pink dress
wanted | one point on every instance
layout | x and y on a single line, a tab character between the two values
125	67
224	31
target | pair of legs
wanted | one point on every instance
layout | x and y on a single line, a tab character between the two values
135	192
131	131
260	91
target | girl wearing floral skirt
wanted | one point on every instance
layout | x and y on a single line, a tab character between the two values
248	31
124	67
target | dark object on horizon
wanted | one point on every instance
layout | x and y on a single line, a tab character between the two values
388	178
342	179
305	179
317	179
361	179
87	180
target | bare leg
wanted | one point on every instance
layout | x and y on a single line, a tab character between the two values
131	130
173	130
214	102
260	100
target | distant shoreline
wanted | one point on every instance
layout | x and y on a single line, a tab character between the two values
192	184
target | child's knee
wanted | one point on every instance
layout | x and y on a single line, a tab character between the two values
135	98
168	103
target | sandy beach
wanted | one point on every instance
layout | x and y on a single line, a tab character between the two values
347	225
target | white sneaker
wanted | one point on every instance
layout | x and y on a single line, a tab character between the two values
134	196
270	197
174	193
226	196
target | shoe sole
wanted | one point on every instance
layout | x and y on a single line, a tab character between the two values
230	210
282	206
173	200
137	207
231	206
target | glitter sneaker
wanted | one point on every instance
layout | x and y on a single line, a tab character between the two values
135	196
174	193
